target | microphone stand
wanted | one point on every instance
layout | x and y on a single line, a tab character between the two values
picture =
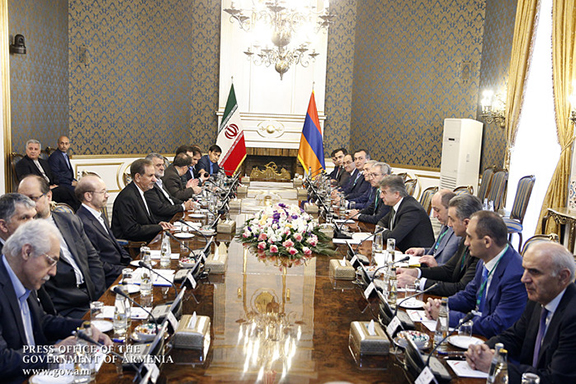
144	265
412	296
180	242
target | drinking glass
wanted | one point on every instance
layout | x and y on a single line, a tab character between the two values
391	245
146	256
96	308
466	329
127	276
377	245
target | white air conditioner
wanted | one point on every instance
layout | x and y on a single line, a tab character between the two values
461	147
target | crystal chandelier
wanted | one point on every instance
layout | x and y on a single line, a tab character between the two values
282	31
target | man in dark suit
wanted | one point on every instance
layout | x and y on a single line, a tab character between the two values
348	167
495	296
162	205
543	340
447	242
131	216
32	164
60	164
407	221
460	269
29	260
80	277
357	185
15	210
195	153
91	191
209	162
376	209
337	158
173	182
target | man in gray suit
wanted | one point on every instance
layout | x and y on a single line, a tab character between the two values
80	277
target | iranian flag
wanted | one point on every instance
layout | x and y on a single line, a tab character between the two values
231	136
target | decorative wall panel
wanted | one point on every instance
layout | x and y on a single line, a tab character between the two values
149	79
496	52
416	63
339	76
39	79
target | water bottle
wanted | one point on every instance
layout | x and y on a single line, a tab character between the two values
501	374
145	283
120	323
83	358
441	326
393	291
492	371
165	252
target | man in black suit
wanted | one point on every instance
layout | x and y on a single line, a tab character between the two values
30	258
60	164
80	277
131	216
195	153
209	162
543	340
337	158
91	191
407	221
32	164
357	185
174	183
162	205
15	210
376	208
460	269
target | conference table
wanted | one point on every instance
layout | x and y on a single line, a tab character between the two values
302	314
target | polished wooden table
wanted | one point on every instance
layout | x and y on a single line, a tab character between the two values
302	319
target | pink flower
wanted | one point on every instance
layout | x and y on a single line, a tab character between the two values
262	237
307	251
288	243
273	248
262	245
313	240
298	236
292	251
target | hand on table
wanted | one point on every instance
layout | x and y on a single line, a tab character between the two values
405	279
353	213
432	308
429	260
415	251
189	205
167	226
479	357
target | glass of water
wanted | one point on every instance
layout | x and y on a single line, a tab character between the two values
530	378
377	245
391	245
466	329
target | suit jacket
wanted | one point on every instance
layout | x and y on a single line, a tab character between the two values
59	166
453	276
556	358
27	167
375	211
204	163
344	178
47	329
412	227
160	206
68	299
505	299
447	246
130	219
360	202
356	186
335	174
175	186
114	257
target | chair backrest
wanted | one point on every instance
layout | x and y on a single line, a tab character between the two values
61	207
410	185
464	189
426	198
403	175
522	198
46	152
14	158
552	237
485	183
497	188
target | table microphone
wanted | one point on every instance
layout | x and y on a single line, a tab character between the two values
384	266
339	232
469	316
82	335
380	230
119	291
179	241
144	265
412	296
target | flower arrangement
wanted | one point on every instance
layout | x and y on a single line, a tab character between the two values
284	234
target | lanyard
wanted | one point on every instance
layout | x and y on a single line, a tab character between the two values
483	286
440	239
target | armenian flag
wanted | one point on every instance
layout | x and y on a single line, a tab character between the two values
311	151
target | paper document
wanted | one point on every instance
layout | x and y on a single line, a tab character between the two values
462	369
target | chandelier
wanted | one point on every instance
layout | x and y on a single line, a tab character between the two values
281	31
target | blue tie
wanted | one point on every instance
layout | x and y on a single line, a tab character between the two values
540	336
485	290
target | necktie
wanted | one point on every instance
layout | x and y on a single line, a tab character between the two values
67	161
540	336
483	289
392	217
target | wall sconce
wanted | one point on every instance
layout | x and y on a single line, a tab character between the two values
18	47
493	110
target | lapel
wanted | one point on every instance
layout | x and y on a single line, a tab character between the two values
65	231
496	277
96	223
138	197
8	291
159	192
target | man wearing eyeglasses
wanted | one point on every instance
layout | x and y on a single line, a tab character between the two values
91	191
80	277
15	210
29	260
375	209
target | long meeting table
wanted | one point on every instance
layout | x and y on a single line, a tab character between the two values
301	315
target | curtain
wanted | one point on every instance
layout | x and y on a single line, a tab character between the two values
519	61
563	73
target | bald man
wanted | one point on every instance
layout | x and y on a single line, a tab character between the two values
60	164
